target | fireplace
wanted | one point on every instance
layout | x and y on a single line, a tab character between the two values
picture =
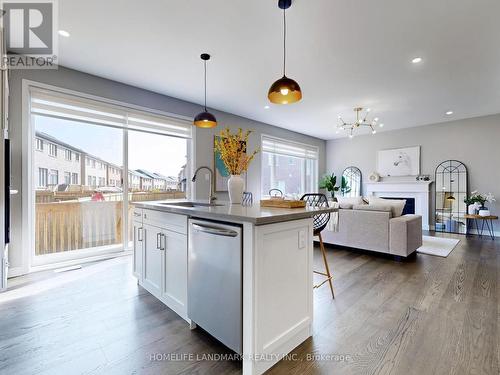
409	208
416	193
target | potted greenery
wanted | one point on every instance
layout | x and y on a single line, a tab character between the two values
329	182
477	200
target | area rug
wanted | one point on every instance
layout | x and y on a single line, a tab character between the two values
438	246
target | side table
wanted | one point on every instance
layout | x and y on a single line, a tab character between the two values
488	220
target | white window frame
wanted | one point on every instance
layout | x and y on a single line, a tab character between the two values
39	144
315	181
74	178
52	173
67	154
28	208
44	181
52	150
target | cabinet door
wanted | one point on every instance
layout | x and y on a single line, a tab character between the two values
138	250
153	260
175	272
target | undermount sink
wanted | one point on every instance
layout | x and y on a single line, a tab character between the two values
191	204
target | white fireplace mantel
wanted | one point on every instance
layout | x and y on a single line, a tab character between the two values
418	190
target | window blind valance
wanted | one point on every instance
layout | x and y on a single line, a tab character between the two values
289	148
64	106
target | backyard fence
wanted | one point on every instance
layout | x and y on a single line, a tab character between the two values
72	225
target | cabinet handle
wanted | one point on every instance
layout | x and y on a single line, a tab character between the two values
137	214
139	234
163	244
158	241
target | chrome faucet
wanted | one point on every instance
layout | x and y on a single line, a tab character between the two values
211	194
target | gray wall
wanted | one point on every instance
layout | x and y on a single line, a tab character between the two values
89	84
475	142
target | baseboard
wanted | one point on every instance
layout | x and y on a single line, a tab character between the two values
472	231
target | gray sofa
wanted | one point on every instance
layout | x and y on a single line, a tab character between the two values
368	228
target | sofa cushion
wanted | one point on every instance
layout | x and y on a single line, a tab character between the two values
350	200
397	205
374	207
346	206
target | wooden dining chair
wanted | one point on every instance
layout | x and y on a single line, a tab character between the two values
320	222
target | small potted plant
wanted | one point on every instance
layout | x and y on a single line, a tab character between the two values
329	182
476	203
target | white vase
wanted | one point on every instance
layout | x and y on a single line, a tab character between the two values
471	209
484	212
235	186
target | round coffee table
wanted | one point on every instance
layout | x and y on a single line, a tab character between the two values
488	220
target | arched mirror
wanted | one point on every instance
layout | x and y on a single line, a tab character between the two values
451	189
352	178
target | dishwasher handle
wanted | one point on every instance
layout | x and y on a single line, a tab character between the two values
214	230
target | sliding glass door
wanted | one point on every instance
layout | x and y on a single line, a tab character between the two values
78	203
157	168
90	163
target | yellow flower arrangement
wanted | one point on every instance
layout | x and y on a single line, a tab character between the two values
232	150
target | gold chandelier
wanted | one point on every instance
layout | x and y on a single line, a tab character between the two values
361	121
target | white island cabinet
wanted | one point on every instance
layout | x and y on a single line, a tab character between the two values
160	256
277	270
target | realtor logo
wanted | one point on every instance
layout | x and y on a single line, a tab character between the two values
30	34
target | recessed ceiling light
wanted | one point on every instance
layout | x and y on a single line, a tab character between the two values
266	107
416	60
449	113
381	125
64	33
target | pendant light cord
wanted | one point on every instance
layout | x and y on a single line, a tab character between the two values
205	63
284	42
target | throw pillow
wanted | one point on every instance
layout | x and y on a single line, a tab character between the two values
397	205
350	200
374	207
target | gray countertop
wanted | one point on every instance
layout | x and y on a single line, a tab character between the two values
235	213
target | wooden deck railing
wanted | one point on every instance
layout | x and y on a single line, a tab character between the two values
73	225
43	196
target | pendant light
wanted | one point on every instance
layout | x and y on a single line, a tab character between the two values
205	119
285	90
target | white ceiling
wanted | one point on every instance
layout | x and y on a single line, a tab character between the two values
343	54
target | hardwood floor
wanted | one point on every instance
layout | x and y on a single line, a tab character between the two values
429	315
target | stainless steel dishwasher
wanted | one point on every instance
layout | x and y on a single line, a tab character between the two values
215	280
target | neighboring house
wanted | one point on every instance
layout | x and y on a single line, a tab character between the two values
182	179
161	181
158	180
94	171
134	181
114	175
146	183
171	183
56	162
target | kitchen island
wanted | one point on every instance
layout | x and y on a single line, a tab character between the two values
276	282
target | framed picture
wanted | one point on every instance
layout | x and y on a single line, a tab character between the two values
399	161
220	170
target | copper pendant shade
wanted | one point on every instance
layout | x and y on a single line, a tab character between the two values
205	119
285	90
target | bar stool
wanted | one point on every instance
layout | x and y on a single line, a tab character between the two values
247	199
319	223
